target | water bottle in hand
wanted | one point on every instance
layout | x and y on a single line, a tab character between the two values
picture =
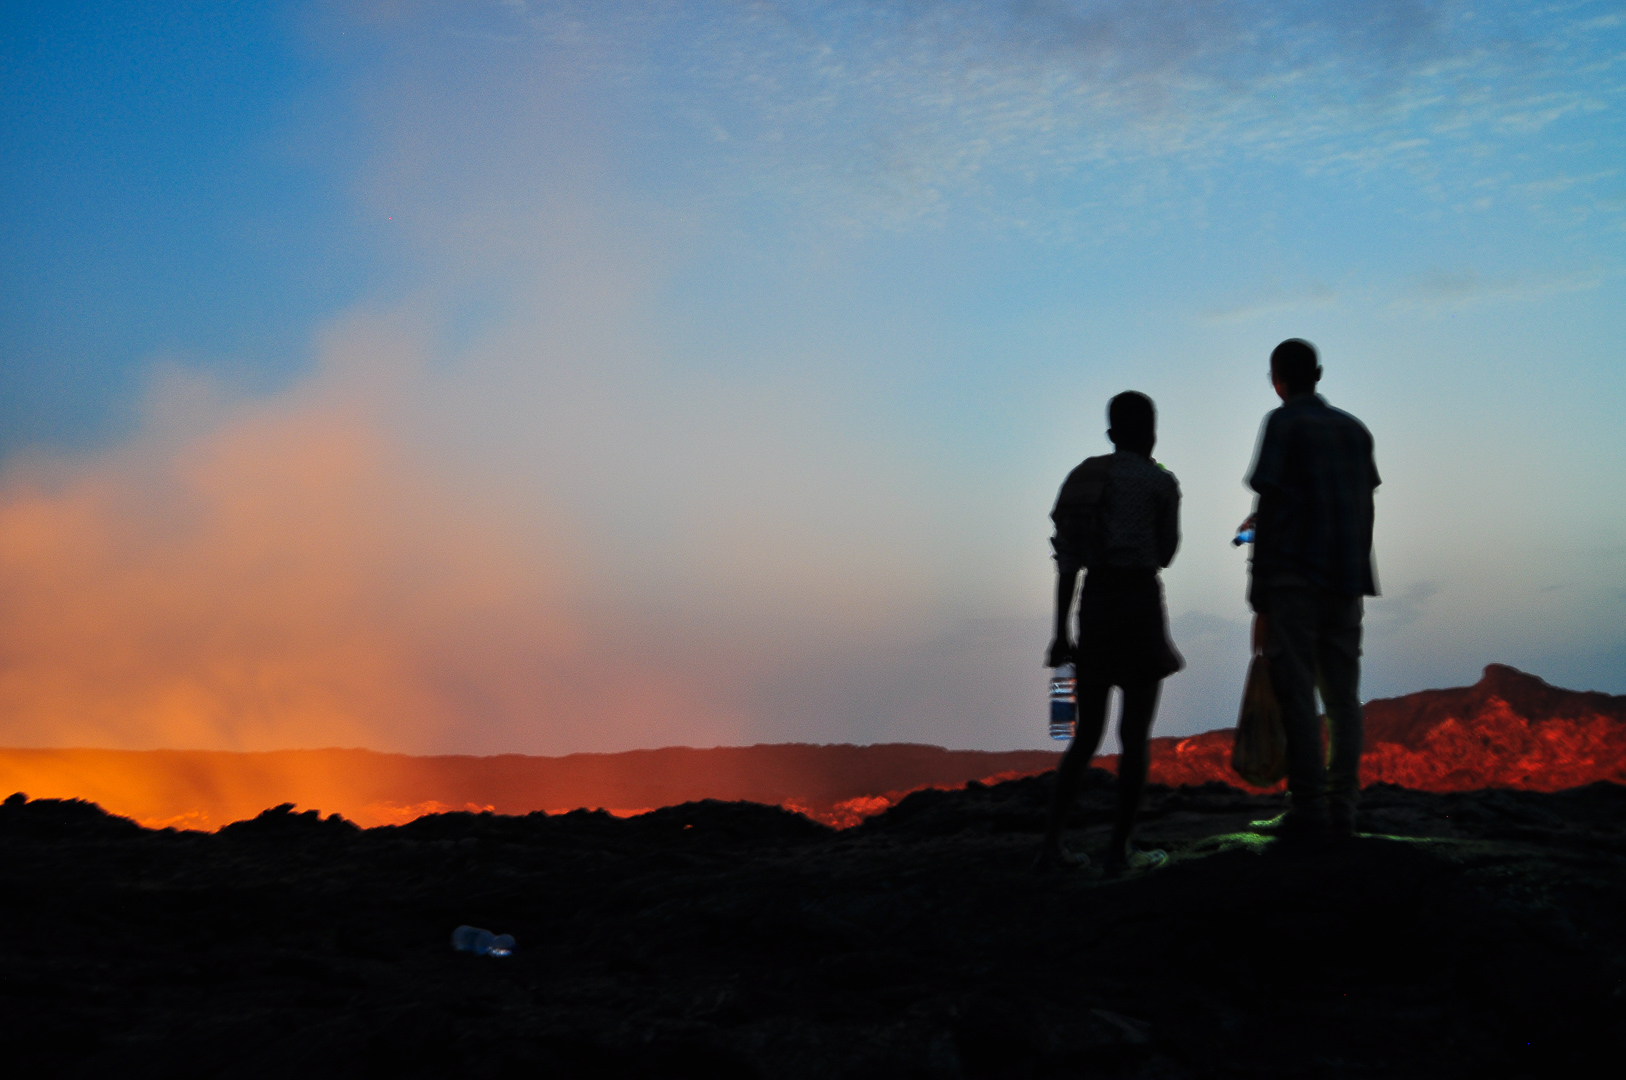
482	942
1063	701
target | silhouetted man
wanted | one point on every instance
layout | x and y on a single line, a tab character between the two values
1311	567
1118	517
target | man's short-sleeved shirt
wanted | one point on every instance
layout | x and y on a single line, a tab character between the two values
1315	475
1139	514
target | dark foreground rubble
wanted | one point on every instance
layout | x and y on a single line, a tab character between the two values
1475	934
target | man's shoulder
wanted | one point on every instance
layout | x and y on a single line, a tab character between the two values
1086	480
1312	409
1161	475
1099	463
1346	417
1091	469
1347	424
1280	417
1143	471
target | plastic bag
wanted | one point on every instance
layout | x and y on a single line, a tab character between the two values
1259	755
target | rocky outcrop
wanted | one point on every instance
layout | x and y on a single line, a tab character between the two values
1466	935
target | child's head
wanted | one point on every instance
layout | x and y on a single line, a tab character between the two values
1132	422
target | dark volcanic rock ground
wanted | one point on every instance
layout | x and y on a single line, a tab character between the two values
1473	934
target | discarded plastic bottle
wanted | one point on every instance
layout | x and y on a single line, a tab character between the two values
482	942
1063	701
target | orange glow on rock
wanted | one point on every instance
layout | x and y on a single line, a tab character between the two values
1510	730
193	789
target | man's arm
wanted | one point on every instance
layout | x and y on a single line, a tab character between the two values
1061	641
1265	478
1082	488
1168	526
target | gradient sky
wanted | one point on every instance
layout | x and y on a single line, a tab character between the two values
543	377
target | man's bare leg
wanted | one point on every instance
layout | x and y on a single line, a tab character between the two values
1092	717
1134	728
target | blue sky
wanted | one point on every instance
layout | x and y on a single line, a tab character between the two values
554	376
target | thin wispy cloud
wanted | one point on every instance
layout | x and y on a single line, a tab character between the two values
1274	303
1460	288
897	111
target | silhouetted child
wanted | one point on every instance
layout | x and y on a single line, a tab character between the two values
1117	518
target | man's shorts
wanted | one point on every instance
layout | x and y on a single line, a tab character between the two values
1123	628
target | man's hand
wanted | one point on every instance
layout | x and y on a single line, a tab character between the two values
1059	653
1261	631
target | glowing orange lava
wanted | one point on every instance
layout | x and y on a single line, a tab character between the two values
1510	730
192	789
